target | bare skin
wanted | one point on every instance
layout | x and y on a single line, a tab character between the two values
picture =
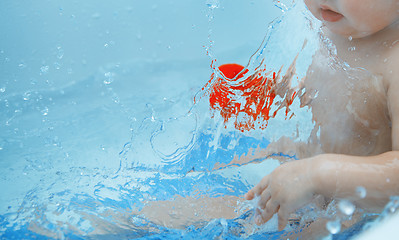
358	119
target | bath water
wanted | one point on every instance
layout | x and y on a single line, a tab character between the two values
134	150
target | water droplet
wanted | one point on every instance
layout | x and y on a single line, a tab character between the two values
346	207
22	65
27	95
116	99
212	4
109	77
45	111
350	38
334	227
44	69
2	89
57	65
385	60
33	81
388	180
361	191
60	52
351	49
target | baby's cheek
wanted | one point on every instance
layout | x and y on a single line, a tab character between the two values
369	16
308	3
313	8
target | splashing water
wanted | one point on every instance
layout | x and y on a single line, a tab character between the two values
249	96
179	164
174	162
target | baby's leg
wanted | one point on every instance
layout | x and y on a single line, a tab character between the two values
185	211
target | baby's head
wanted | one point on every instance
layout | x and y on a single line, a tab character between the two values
355	18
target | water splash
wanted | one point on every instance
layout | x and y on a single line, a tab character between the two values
162	157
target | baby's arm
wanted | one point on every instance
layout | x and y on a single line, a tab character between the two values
294	184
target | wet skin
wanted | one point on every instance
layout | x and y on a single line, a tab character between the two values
359	132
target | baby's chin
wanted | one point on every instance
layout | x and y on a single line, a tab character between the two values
348	32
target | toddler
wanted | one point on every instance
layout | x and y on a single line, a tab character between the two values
357	120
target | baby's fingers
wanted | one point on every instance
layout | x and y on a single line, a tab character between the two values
282	218
258	189
266	195
271	208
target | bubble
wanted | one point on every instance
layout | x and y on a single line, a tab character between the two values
346	207
334	227
2	89
361	191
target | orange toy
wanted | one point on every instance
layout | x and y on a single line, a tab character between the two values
247	101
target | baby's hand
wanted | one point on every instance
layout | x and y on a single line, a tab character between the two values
286	189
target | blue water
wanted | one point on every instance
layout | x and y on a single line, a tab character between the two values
98	118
